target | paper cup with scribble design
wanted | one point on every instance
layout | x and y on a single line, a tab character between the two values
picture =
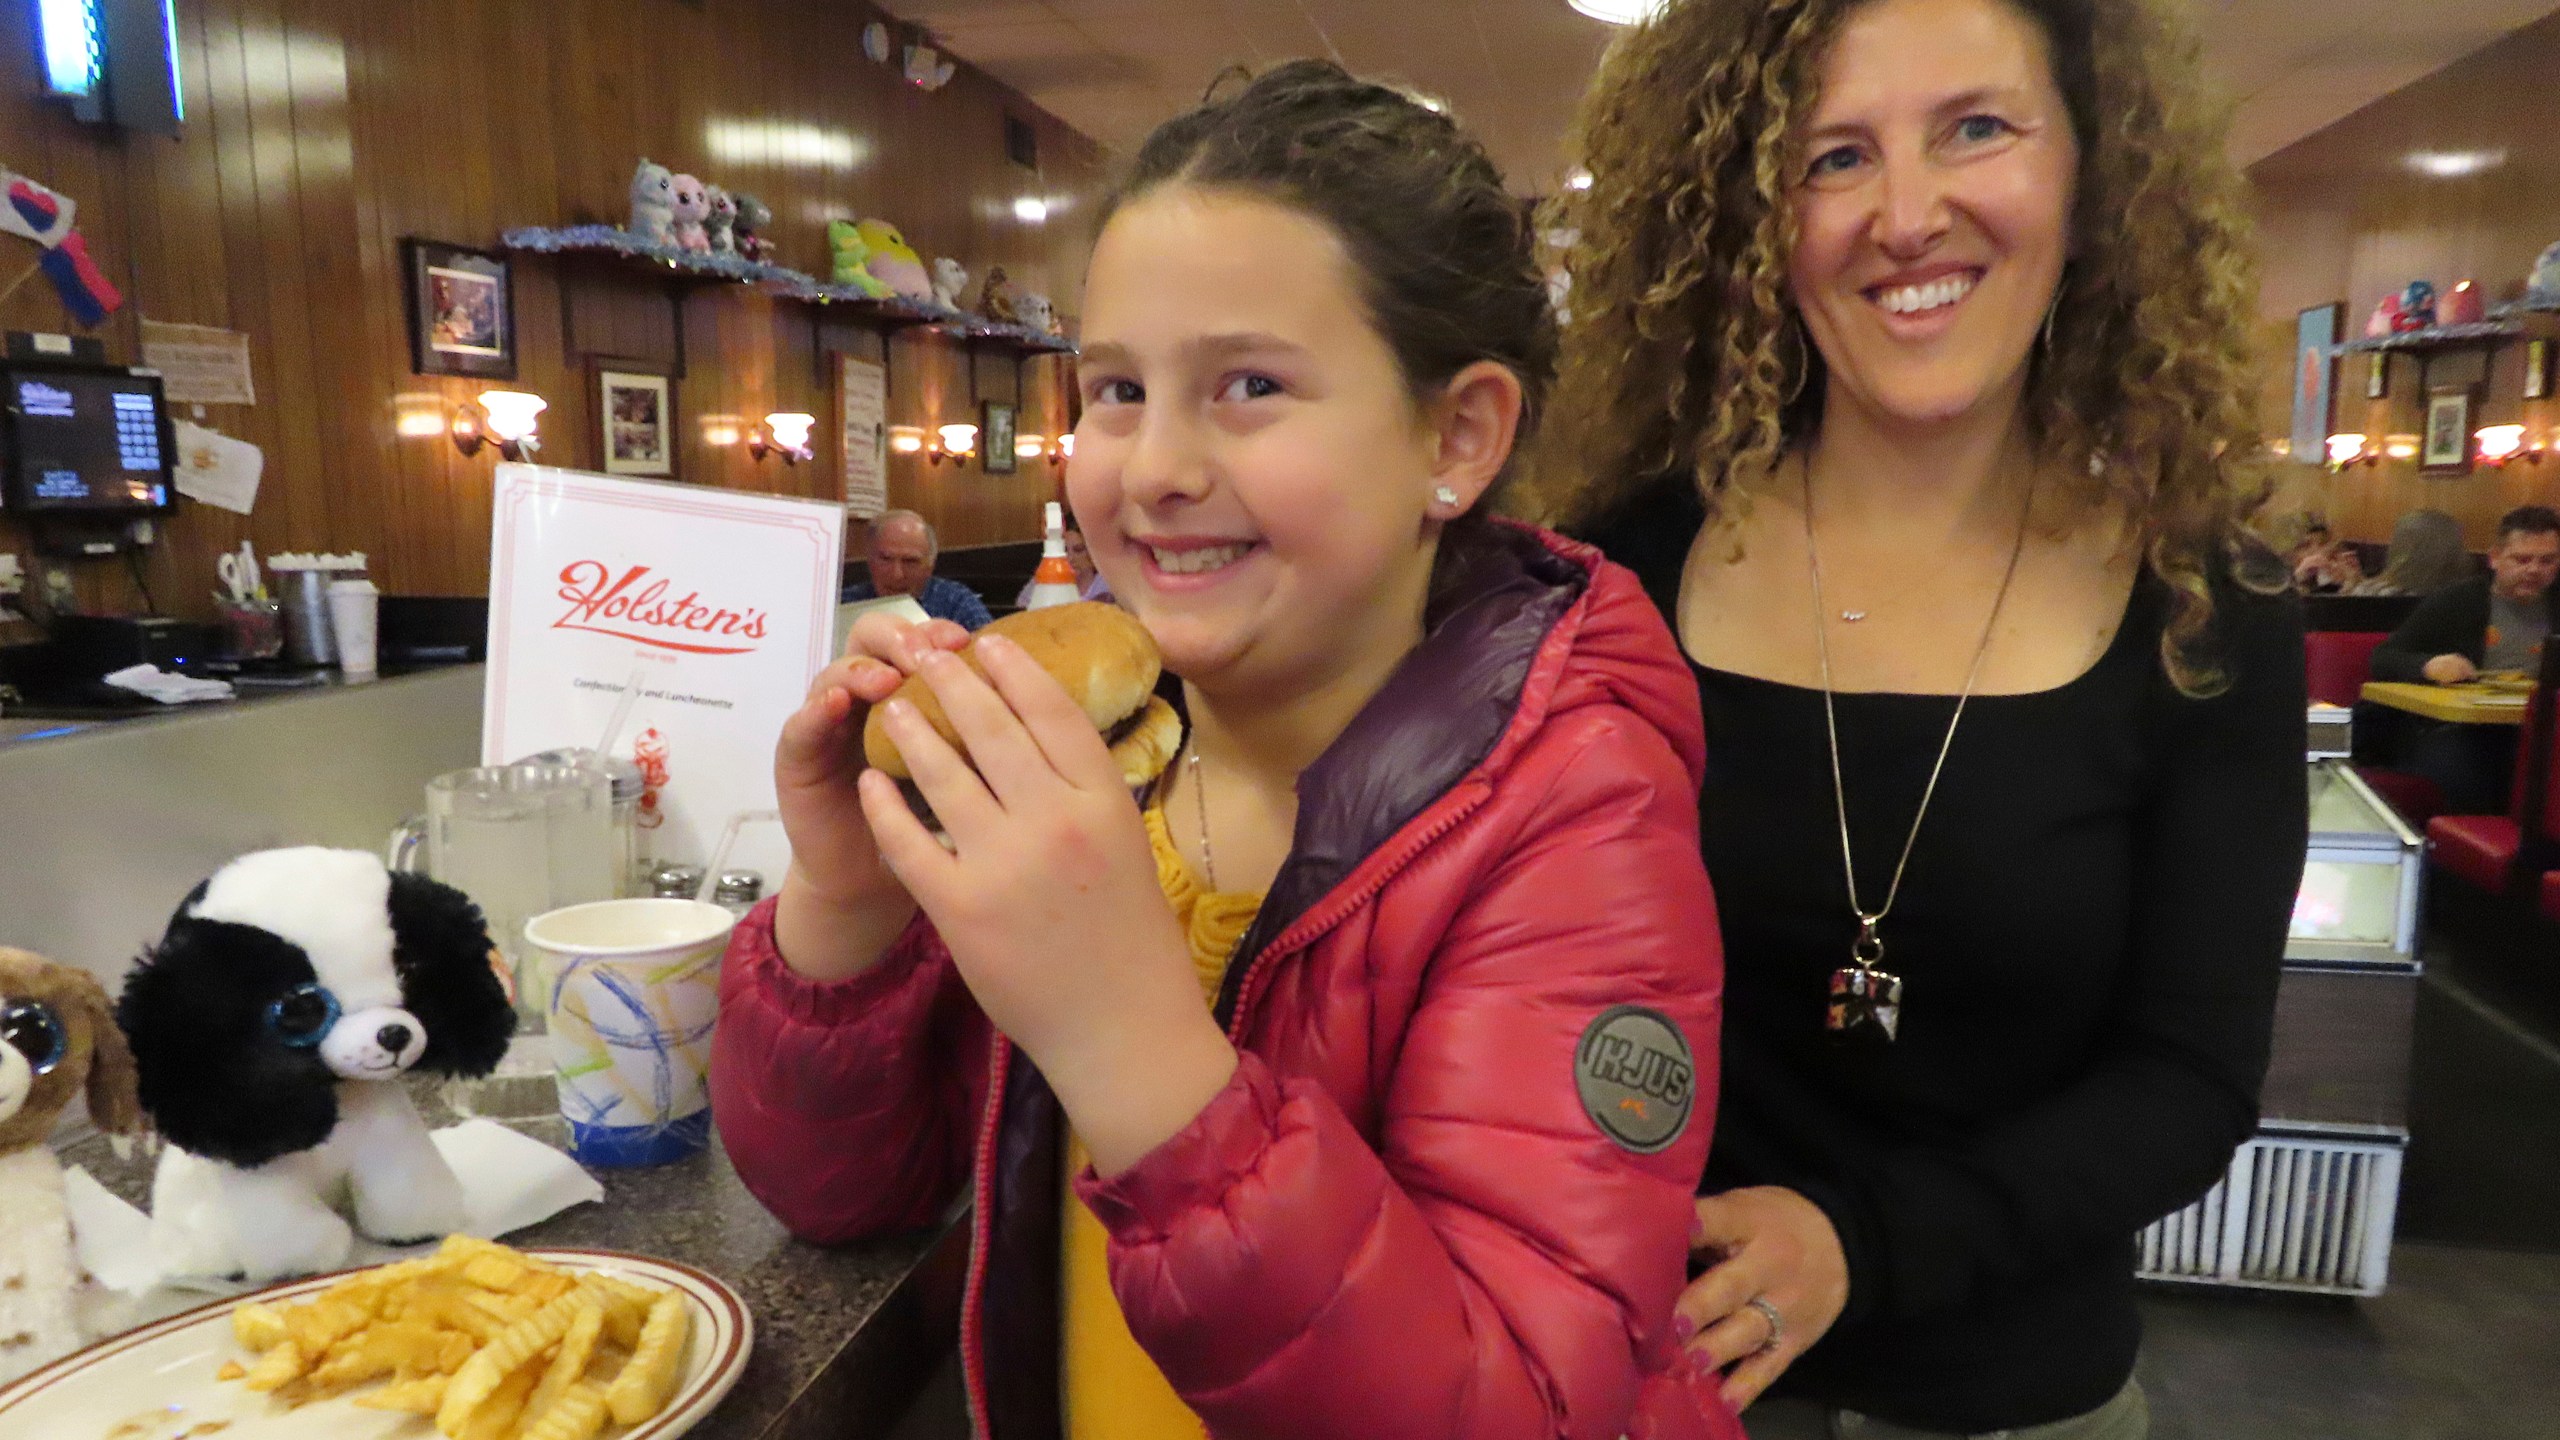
635	986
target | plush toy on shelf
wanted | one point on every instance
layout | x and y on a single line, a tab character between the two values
2546	271
2463	306
950	282
998	300
58	1036
1037	312
2417	308
653	203
851	260
693	205
720	222
2385	317
754	218
894	262
274	1028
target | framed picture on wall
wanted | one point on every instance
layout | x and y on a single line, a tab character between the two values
995	437
2447	450
2315	371
2537	369
462	310
2377	376
635	417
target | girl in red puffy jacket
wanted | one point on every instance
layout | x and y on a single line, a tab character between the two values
1356	1081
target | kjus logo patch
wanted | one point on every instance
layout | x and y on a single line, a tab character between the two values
635	606
1637	1079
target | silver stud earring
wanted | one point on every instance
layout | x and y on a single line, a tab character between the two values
1445	495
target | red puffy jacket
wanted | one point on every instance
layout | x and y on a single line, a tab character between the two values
1403	1217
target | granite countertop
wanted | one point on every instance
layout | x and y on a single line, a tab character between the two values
845	1336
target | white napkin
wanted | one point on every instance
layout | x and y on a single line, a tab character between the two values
168	689
509	1181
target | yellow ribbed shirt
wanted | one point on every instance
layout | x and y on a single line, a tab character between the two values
1112	1390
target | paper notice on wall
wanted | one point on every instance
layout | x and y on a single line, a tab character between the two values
216	470
864	386
198	364
718	608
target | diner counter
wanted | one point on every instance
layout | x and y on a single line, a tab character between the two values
845	1337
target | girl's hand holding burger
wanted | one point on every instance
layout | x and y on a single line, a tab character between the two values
1048	897
840	908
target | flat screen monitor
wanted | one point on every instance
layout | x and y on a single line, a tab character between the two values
84	441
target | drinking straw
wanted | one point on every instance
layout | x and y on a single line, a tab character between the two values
621	713
728	842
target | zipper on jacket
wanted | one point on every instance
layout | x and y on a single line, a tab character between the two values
973	1358
1312	925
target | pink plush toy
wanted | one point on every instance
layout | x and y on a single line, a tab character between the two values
693	206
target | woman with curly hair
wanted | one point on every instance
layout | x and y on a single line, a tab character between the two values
1907	366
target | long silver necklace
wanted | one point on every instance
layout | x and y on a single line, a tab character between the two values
1200	803
1866	998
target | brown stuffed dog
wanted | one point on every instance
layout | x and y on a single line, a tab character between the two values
58	1036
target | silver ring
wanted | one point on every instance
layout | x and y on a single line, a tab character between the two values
1777	1323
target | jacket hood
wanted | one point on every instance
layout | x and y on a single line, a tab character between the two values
1524	625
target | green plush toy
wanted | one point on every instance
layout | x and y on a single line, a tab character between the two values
851	251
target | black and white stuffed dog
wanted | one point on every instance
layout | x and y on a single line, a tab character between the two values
272	1026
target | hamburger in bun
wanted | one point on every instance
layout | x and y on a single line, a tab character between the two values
1106	660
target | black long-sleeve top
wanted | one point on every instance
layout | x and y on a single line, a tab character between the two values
2089	939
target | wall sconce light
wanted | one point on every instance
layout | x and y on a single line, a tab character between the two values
510	417
785	432
1030	447
722	431
2498	443
955	442
2398	447
2345	450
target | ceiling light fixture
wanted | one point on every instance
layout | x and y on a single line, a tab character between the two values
1578	180
2454	164
1031	210
1620	12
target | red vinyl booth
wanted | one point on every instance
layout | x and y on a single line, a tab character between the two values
2483	850
2336	664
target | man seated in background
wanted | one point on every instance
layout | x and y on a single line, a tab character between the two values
2493	622
903	549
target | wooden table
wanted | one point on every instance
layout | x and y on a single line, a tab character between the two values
2473	704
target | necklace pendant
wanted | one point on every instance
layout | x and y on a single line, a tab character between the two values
1866	1004
1852	617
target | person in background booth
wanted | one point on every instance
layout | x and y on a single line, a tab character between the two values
2426	555
1909	365
2492	622
903	549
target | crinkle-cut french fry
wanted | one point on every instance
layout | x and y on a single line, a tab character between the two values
577	1347
415	1397
283	1362
543	1286
626	1309
496	1361
497	1415
577	1415
258	1326
491	1271
323	1323
641	1390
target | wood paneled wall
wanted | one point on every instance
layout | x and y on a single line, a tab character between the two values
322	132
2344	215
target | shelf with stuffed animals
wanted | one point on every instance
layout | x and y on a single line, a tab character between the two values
683	228
2412	321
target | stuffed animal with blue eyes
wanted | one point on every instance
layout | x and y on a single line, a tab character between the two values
58	1037
271	1030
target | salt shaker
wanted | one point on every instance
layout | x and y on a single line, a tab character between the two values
738	891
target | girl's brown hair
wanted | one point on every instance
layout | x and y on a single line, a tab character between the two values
1682	353
1443	252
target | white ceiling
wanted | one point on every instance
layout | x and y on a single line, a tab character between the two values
1513	68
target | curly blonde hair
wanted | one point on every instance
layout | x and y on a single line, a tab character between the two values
1682	350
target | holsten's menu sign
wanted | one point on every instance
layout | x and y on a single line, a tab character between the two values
718	608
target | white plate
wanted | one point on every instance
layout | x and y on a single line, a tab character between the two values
156	1382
